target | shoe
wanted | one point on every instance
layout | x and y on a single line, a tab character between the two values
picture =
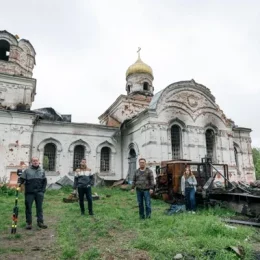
41	225
28	226
142	217
82	213
91	214
149	216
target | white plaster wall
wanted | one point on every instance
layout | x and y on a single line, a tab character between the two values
15	131
15	90
246	165
151	133
63	135
136	81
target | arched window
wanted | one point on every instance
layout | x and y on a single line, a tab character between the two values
146	86
4	50
49	157
105	159
210	143
176	141
128	88
79	154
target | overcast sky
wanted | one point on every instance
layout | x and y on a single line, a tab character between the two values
85	47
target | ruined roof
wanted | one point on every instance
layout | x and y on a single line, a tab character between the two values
48	113
155	99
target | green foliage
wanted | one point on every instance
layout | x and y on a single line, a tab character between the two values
256	159
6	190
115	231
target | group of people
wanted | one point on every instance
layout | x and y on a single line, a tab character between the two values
35	183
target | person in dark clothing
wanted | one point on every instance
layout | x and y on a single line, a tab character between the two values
35	183
143	181
83	181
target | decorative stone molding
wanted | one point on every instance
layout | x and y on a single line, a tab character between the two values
59	149
87	151
112	158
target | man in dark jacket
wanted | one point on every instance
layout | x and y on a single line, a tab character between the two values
83	181
35	185
143	181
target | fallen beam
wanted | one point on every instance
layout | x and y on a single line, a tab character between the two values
241	222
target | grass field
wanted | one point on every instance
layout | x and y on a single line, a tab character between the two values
115	232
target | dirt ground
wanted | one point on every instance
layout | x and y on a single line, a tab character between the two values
35	244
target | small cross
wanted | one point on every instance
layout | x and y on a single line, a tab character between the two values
138	51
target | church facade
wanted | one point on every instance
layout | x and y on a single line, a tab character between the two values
182	121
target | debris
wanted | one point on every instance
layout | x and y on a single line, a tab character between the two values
125	187
54	186
178	256
239	250
175	209
99	182
231	227
71	198
118	183
242	222
65	181
95	196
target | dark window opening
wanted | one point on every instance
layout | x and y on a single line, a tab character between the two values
128	88
210	142
176	141
49	158
146	86
79	153
105	159
4	50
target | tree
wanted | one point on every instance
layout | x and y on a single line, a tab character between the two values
256	159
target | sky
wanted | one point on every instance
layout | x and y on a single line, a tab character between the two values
84	48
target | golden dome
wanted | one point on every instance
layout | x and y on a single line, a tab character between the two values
139	67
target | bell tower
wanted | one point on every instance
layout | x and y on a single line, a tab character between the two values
139	78
17	60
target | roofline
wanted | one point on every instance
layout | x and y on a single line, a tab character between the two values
108	109
16	76
244	129
77	124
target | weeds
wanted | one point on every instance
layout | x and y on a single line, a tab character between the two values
115	230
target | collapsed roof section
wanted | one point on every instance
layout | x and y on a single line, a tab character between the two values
48	113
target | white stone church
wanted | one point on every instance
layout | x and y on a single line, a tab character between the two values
182	121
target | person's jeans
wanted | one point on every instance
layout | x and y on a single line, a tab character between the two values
144	196
29	199
87	192
190	199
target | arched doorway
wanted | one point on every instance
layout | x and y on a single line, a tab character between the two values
132	165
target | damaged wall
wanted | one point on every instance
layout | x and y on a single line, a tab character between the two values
65	136
15	142
192	107
123	108
17	60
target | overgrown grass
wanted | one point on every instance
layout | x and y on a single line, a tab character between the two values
116	230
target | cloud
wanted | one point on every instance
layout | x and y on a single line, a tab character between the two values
84	49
